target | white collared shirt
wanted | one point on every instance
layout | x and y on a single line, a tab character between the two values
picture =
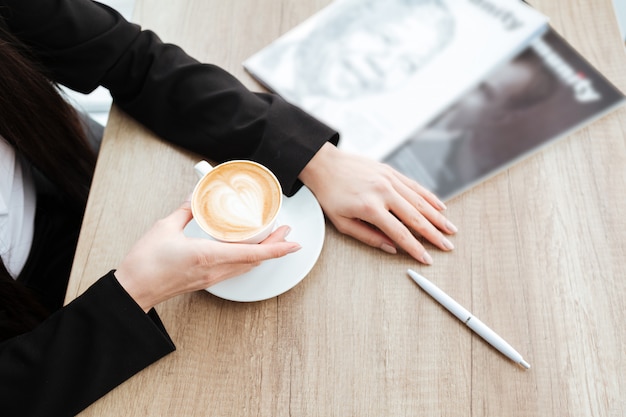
17	209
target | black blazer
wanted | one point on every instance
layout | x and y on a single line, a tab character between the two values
103	337
197	106
79	353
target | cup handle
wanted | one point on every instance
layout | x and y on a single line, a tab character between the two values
202	168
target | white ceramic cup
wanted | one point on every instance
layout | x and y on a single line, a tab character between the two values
237	201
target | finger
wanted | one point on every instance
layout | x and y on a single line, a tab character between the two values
181	216
396	230
375	238
428	195
244	253
278	235
366	234
423	206
421	219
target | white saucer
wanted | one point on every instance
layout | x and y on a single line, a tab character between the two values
304	215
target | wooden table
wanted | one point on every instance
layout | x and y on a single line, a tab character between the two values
540	257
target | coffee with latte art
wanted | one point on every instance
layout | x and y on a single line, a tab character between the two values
236	200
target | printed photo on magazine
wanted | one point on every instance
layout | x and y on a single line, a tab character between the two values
376	71
545	93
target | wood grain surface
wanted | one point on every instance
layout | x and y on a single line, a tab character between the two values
540	257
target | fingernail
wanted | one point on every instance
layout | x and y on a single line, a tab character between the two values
388	248
447	244
452	228
441	205
426	258
286	231
294	248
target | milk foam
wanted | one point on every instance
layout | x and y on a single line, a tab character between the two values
235	203
239	204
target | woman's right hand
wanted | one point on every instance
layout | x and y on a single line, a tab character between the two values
165	263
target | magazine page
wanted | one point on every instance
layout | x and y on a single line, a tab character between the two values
378	70
546	92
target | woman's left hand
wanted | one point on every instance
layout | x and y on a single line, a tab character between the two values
357	193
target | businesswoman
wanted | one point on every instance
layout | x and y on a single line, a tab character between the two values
57	360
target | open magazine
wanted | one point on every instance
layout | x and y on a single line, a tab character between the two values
546	92
376	71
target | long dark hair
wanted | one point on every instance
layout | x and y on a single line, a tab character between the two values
40	124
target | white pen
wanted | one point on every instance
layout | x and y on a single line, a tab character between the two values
470	321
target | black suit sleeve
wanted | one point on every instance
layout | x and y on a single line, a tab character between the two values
79	353
197	106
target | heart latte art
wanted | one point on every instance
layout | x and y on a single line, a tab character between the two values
235	200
